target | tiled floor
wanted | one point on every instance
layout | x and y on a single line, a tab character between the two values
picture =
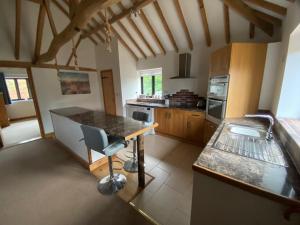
167	199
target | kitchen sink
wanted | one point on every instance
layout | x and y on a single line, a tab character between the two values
249	141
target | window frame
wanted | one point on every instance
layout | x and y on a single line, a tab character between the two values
153	84
15	79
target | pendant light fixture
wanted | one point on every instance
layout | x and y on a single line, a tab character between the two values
108	33
75	55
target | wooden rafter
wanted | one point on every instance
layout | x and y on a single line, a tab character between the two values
73	51
39	31
226	23
85	10
248	13
121	25
152	32
136	6
137	30
100	14
183	23
60	7
166	26
205	23
269	6
18	29
97	34
50	18
272	19
251	30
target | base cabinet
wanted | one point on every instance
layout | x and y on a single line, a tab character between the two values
209	130
187	125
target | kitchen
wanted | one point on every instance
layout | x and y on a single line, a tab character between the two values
183	112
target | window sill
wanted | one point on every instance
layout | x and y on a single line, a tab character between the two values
292	127
21	100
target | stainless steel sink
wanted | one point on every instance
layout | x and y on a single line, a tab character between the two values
249	141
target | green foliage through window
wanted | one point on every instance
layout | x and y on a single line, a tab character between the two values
151	85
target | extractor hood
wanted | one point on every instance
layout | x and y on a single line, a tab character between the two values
184	66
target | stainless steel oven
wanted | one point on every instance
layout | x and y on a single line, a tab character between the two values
216	98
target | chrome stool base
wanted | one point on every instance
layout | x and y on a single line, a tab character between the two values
109	186
131	166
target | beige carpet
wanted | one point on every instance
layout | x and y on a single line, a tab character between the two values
40	184
20	131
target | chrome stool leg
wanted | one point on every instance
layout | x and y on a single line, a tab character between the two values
111	183
132	164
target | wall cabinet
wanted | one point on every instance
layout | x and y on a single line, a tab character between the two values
180	123
220	61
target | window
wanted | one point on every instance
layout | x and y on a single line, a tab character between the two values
151	81
18	88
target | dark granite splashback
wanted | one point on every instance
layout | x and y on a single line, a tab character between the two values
184	98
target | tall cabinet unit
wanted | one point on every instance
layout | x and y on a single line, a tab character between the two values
244	63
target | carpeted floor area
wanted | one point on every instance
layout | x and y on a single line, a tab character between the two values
42	184
20	131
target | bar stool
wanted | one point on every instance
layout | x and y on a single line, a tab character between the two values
132	164
97	140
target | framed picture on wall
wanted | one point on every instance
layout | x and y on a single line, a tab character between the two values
73	83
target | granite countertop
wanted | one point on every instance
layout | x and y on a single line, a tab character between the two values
263	178
115	125
158	105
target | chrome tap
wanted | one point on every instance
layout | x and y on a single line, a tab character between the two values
269	135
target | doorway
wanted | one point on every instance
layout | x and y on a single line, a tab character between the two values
18	116
108	91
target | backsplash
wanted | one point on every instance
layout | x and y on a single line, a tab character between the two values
184	98
151	100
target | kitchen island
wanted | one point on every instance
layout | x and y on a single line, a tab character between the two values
258	192
67	121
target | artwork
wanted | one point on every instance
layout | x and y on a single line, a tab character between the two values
73	83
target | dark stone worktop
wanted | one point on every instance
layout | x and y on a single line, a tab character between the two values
114	125
269	180
158	105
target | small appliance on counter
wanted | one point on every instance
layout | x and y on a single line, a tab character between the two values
201	104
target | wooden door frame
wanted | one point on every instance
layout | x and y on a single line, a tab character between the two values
33	94
108	70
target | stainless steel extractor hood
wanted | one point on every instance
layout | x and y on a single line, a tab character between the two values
184	66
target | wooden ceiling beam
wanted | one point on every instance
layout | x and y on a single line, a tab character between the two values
272	19
183	23
100	14
73	51
121	25
152	32
50	18
269	6
60	7
166	26
226	23
248	13
136	6
137	30
97	34
251	30
18	29
39	31
204	23
84	12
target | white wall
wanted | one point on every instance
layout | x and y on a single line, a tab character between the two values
287	107
130	80
50	97
20	109
289	24
270	75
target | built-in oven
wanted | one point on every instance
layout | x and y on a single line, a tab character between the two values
216	98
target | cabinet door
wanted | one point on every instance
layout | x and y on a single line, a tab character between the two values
195	126
209	130
220	61
162	117
4	120
177	123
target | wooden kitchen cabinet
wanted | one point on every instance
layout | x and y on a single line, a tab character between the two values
178	123
220	61
162	117
195	126
4	120
209	130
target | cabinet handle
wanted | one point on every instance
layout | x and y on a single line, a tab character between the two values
195	115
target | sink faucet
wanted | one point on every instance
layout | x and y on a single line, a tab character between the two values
269	135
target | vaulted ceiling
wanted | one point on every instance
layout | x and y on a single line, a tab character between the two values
145	27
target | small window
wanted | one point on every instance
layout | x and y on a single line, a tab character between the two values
151	81
18	88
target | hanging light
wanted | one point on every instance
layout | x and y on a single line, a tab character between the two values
108	33
75	55
57	69
134	13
